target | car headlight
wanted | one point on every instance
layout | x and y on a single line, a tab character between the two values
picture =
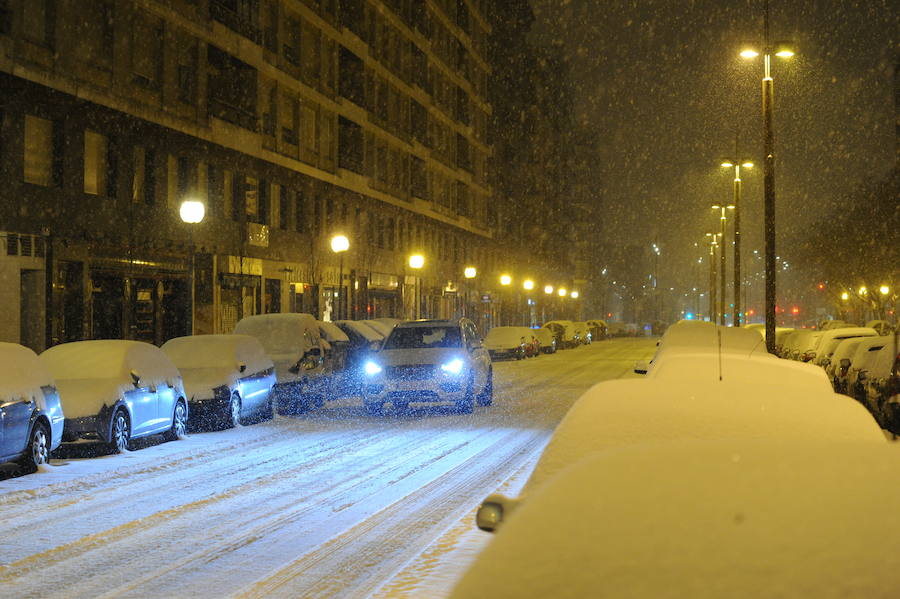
372	368
454	366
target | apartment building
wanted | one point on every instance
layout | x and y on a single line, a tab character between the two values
291	120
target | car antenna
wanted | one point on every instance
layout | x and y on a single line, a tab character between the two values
719	337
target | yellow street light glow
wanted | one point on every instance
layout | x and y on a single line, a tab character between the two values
548	289
845	296
192	211
727	164
505	279
339	243
562	292
749	53
747	164
416	261
528	284
470	272
884	289
863	291
783	50
574	295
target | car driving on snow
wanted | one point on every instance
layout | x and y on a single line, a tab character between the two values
429	361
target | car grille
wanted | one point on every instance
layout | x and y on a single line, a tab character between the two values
414	372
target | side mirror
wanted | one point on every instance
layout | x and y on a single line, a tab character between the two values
135	379
641	367
492	511
242	367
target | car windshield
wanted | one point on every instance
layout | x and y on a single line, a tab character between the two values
423	338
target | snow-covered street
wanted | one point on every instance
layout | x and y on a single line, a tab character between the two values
334	503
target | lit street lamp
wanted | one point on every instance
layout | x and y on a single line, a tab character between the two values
416	262
712	239
737	234
192	213
781	50
339	245
723	219
469	273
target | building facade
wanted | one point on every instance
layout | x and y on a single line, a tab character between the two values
291	121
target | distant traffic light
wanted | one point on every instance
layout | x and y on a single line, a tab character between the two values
795	310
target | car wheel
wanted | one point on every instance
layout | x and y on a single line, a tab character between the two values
37	451
179	422
374	408
234	411
487	396
467	404
120	430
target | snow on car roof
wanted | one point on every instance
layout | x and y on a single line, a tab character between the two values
707	336
867	350
280	334
332	332
368	333
507	335
736	368
742	518
218	351
630	411
22	374
107	358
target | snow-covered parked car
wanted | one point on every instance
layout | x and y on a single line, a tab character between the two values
599	329
737	517
838	368
379	326
883	327
830	339
294	344
507	342
624	412
861	364
583	332
31	416
228	378
429	361
564	330
546	338
882	382
115	391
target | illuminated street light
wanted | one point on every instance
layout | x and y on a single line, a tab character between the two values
884	290
863	291
192	213
723	219
736	165
782	50
505	280
416	262
562	292
470	272
548	289
528	284
845	296
339	245
574	295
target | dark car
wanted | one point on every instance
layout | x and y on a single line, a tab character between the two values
363	341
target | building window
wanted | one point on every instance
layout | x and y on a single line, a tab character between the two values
350	145
38	151
187	76
251	198
284	208
38	22
96	163
290	117
309	149
146	49
138	175
299	212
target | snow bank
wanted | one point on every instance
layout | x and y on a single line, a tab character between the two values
736	518
22	374
627	412
91	374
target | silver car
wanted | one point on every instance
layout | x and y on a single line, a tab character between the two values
429	361
31	417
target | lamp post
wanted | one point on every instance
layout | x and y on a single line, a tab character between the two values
711	237
505	281
781	50
339	245
192	213
722	260
548	291
528	286
469	273
416	262
656	252
736	321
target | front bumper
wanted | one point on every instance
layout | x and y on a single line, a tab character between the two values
440	389
208	412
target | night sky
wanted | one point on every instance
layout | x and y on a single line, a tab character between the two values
664	94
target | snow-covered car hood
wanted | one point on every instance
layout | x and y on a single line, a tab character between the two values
200	382
85	397
400	357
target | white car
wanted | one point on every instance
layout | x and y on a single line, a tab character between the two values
739	518
625	412
294	344
31	416
429	361
507	342
830	339
691	336
546	338
228	378
114	391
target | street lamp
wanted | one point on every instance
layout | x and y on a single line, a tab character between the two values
737	233
339	245
469	273
528	284
416	262
713	243
781	50
192	213
562	292
548	289
574	295
723	219
505	280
